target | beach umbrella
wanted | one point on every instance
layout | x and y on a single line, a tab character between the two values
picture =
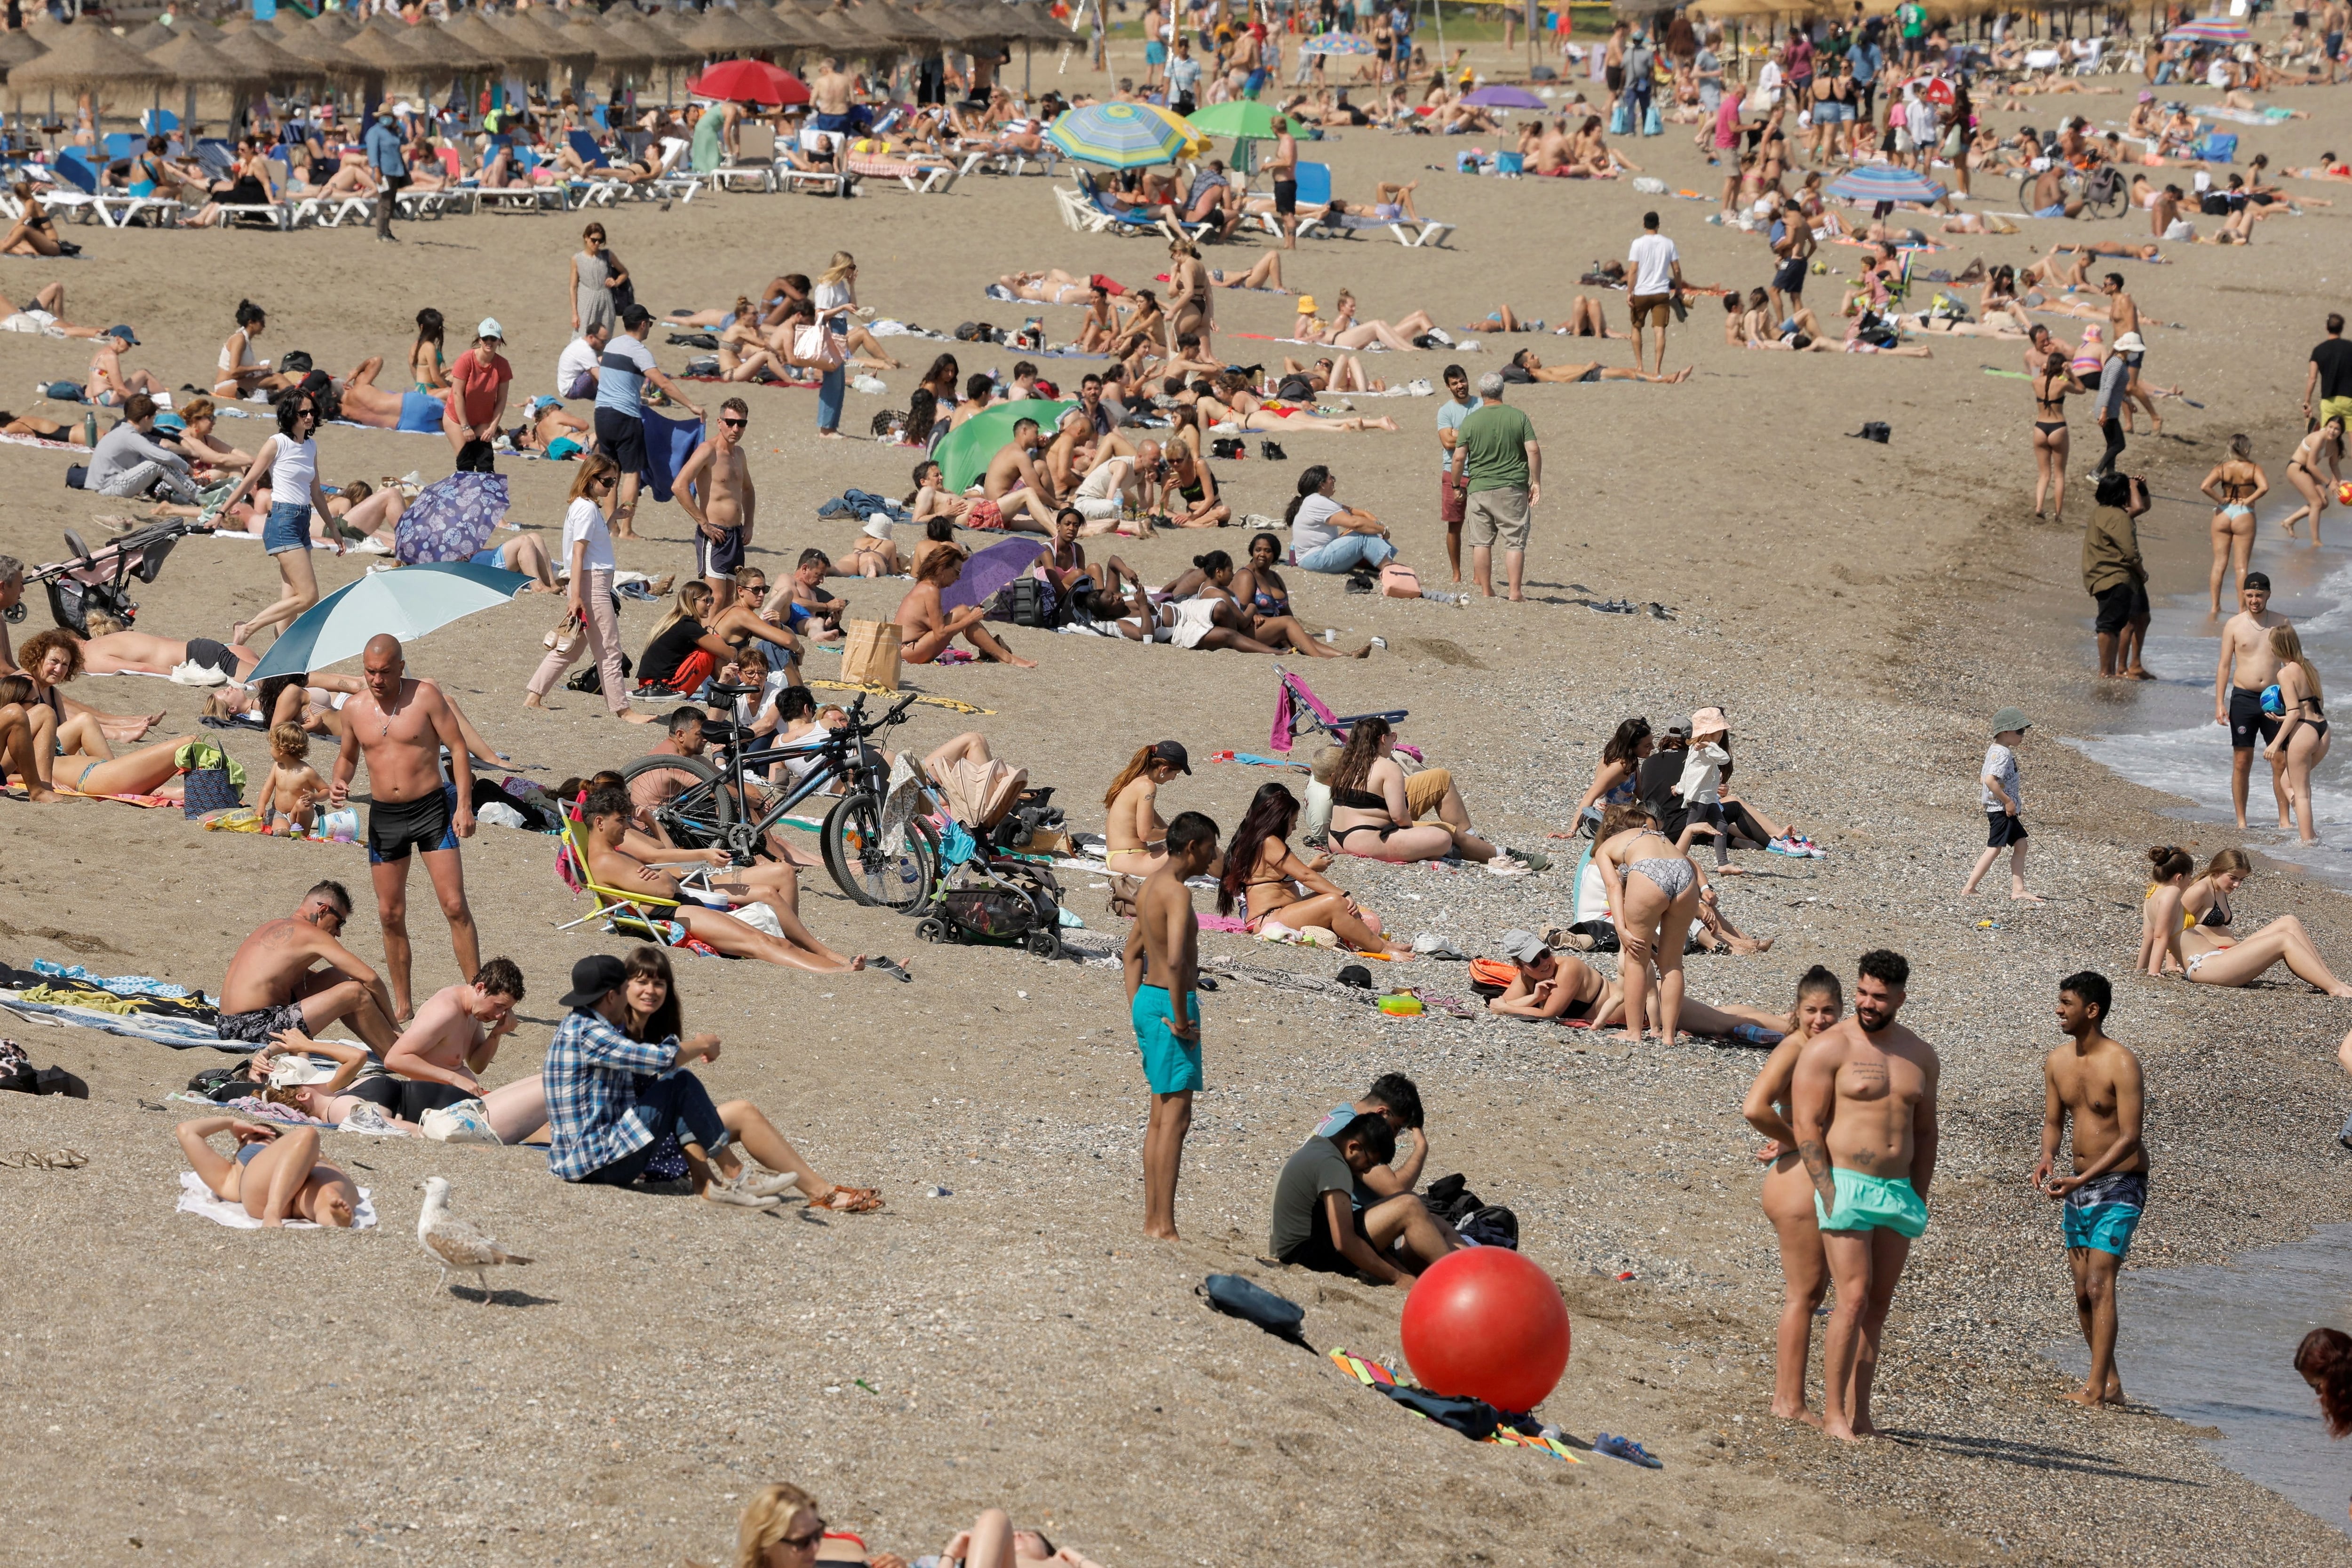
153	36
18	47
441	50
1335	44
903	25
1498	95
380	55
2212	30
1196	142
1239	119
660	45
321	55
520	56
787	27
613	49
1935	90
725	32
837	31
259	47
966	452
451	518
750	81
1884	183
335	26
411	602
1117	136
988	570
555	42
87	57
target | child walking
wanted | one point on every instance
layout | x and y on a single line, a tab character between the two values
2003	804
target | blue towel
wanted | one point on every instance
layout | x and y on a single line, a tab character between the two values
668	444
120	985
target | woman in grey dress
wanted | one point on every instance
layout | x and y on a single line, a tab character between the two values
595	272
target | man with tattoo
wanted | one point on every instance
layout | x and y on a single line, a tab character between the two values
1864	1105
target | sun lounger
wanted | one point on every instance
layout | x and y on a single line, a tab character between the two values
334	211
1085	210
596	190
923	179
1410	233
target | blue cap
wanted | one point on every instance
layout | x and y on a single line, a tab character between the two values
125	333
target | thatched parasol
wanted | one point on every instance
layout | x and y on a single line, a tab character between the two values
536	31
261	46
659	44
834	32
378	52
153	36
87	57
443	52
725	32
902	23
518	56
196	63
335	25
321	55
615	49
18	47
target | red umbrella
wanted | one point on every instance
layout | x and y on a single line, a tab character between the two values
750	81
1935	90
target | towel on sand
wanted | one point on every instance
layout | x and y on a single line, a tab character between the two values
195	1198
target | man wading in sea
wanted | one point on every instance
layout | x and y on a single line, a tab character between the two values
2247	667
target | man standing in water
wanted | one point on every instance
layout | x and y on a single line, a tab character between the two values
1863	1104
2247	667
2096	1081
401	726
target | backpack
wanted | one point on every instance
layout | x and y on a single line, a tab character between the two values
1490	978
1025	601
1449	1198
1492	1226
591	681
1398	580
1253	1302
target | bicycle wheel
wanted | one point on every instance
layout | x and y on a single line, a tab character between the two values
709	811
852	841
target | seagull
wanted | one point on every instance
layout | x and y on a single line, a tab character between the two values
456	1243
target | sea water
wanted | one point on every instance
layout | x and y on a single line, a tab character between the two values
2215	1347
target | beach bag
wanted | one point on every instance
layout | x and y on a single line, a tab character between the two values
1509	164
1651	124
212	780
1490	978
1398	580
1253	1302
869	655
467	1122
817	346
1620	119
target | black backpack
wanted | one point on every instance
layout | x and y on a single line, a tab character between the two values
1025	602
592	680
1253	1302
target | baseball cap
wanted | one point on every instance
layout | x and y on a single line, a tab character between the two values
125	333
491	328
1173	752
2011	718
1523	947
593	979
633	316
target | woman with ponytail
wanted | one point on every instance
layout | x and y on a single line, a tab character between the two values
2172	941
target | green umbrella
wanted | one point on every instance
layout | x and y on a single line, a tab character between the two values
1238	118
964	455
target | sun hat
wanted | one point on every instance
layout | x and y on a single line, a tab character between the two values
878	525
593	979
295	1070
2011	718
1307	305
1524	946
491	328
1708	721
2130	343
2147	97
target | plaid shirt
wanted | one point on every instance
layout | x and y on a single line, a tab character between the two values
594	1075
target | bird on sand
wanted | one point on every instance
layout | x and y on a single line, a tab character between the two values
456	1243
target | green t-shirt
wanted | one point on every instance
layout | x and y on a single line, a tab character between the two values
1316	1168
1913	19
1496	439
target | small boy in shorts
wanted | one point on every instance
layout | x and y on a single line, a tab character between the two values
293	788
2003	805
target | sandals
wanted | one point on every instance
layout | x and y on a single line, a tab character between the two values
851	1200
890	966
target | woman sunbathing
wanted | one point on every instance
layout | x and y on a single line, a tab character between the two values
1051	287
1265	599
110	650
1530	368
1239	409
927	628
1372	816
195	441
743	351
1281	896
1344	332
1554	986
275	1173
2173	941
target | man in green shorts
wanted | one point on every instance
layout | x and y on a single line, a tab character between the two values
1864	1109
1162	963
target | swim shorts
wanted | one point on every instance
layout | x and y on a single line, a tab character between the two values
2001	829
1319	1251
207	655
621	437
289	527
2247	720
420	412
406	1098
2334	407
2103	1212
398	829
493	557
1285	198
1647	307
1451	498
1492	517
2054	209
720	558
255	1027
1791	278
1171	1066
1872	1203
983	514
2119	605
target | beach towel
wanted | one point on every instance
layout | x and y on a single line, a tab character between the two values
1474	1419
195	1198
668	444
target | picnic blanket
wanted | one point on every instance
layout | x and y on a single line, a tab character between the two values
195	1198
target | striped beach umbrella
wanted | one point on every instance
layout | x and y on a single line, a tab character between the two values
1884	183
2212	30
1117	136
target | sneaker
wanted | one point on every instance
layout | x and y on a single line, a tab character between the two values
1533	860
1441	336
1419	387
765	1183
368	1117
1785	845
734	1196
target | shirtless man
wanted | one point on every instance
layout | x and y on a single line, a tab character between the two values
2096	1081
1024	496
1163	962
927	627
2247	667
456	1034
274	982
1863	1103
826	131
2122	320
714	489
401	725
1551	149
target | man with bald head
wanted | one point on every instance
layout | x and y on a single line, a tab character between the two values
401	725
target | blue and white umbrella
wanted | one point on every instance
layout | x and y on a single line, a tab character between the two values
2212	30
1884	183
407	602
451	518
1335	44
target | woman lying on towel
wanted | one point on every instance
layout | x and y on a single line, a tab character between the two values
276	1172
1229	401
1281	894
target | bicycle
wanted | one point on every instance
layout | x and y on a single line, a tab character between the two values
720	805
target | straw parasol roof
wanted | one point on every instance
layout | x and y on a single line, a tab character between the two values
379	53
520	56
153	36
658	45
194	62
725	32
18	47
613	49
556	43
442	51
335	25
86	56
786	27
838	31
904	24
320	55
259	47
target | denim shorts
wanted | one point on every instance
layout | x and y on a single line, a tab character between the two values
289	527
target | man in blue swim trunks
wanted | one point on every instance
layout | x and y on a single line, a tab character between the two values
2096	1081
1864	1100
1163	962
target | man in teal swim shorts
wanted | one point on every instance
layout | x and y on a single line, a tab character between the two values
2095	1081
1863	1104
1163	962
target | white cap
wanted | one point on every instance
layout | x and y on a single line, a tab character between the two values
491	328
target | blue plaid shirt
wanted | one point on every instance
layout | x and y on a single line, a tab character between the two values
594	1075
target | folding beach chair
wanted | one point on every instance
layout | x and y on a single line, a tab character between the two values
1298	710
614	906
754	167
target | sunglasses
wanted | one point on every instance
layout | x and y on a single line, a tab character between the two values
733	423
803	1542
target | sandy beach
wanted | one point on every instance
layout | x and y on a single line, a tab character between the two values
186	1391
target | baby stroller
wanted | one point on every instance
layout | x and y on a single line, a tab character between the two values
993	895
97	579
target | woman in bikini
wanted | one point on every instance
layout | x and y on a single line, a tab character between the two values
2302	743
1140	338
427	368
1229	401
2322	447
2207	901
743	352
241	373
1136	840
276	1172
1191	297
1098	328
71	731
1265	604
1559	987
2171	941
1281	894
1653	888
2051	438
1788	1192
1373	817
1051	287
1612	781
2236	482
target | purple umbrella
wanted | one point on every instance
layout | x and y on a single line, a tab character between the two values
451	518
1500	96
991	569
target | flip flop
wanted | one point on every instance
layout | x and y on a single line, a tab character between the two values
890	966
851	1200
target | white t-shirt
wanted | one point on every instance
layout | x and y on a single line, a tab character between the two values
579	357
585	520
1653	259
293	471
1312	529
